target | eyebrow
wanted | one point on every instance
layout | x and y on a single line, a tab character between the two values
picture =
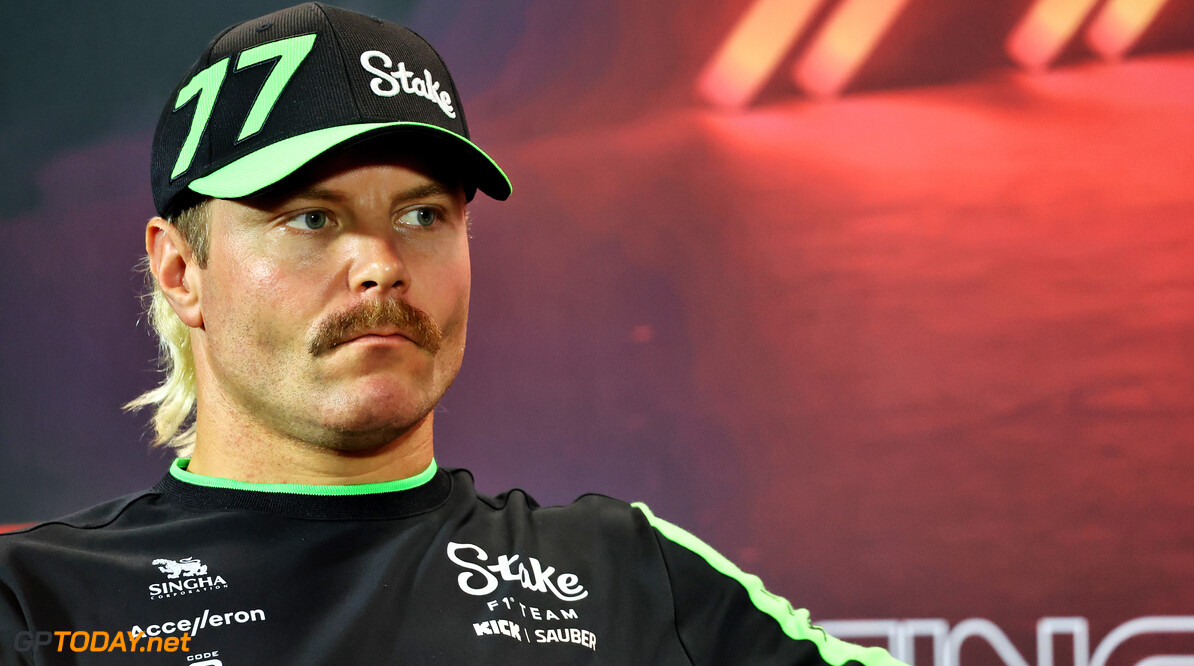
318	193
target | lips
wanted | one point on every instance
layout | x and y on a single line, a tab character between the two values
387	332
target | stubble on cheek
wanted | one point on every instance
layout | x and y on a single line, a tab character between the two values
254	330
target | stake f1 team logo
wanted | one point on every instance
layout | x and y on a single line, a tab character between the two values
186	576
478	581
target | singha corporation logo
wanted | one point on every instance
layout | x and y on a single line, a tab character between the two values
186	576
188	566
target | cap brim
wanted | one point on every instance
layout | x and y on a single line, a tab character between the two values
267	166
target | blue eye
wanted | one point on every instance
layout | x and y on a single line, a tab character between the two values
310	220
418	217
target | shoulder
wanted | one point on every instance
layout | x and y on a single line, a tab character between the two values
38	561
75	525
593	528
518	501
592	514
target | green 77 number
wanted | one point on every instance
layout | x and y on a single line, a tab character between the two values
289	52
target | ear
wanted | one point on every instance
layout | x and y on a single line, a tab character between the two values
172	264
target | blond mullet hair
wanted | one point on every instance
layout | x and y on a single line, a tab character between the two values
173	401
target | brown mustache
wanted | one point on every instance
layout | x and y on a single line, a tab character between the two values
414	323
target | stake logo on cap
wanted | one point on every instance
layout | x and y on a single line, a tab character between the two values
271	94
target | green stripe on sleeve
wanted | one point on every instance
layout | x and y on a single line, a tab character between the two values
795	623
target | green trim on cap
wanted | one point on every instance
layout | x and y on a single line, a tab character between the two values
178	470
274	162
794	622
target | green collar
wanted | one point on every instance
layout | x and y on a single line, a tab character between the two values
178	470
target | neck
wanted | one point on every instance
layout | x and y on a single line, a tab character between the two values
245	450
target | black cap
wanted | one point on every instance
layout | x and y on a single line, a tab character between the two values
271	94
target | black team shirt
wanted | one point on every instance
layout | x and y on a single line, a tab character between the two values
202	571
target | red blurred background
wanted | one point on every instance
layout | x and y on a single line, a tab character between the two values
891	301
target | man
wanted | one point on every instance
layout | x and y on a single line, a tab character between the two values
311	288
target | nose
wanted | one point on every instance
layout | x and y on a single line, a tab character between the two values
379	267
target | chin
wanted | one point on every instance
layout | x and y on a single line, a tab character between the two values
370	429
363	439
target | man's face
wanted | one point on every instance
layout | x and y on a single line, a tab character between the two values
334	312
